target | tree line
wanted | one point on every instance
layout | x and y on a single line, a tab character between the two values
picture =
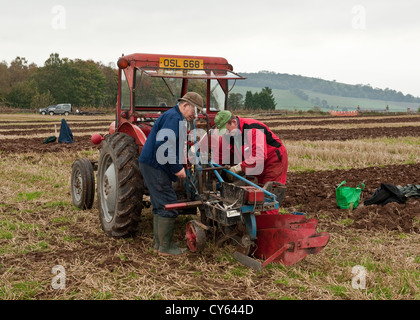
83	84
60	80
298	82
263	100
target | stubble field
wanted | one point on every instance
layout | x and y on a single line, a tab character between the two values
41	229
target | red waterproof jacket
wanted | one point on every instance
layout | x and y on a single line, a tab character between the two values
260	152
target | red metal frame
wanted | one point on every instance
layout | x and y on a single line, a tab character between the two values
287	239
128	64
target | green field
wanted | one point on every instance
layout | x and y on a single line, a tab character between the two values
288	101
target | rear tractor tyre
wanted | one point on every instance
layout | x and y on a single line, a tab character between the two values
120	186
83	184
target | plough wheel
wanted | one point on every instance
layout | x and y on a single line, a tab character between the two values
195	236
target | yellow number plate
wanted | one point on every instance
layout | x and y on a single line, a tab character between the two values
175	63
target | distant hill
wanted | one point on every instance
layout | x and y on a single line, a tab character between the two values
295	91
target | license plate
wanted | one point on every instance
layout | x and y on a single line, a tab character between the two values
176	63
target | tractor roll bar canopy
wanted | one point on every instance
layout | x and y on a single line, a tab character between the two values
191	73
140	72
177	66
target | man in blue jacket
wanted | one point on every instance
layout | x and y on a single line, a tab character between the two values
161	163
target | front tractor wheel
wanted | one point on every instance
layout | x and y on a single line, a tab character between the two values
120	186
83	184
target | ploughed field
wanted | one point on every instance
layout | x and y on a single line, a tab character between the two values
40	228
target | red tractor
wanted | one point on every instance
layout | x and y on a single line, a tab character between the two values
149	85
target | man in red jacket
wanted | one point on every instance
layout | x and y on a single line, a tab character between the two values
256	149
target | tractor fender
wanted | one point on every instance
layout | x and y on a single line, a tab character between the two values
134	132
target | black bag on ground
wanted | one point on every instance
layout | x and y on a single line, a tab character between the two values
50	140
410	190
386	193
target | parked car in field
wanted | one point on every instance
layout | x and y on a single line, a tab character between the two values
63	108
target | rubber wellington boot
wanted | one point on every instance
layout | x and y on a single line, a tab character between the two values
165	233
155	233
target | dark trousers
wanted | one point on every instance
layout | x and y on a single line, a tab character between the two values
161	190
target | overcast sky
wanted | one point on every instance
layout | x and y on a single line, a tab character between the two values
357	42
